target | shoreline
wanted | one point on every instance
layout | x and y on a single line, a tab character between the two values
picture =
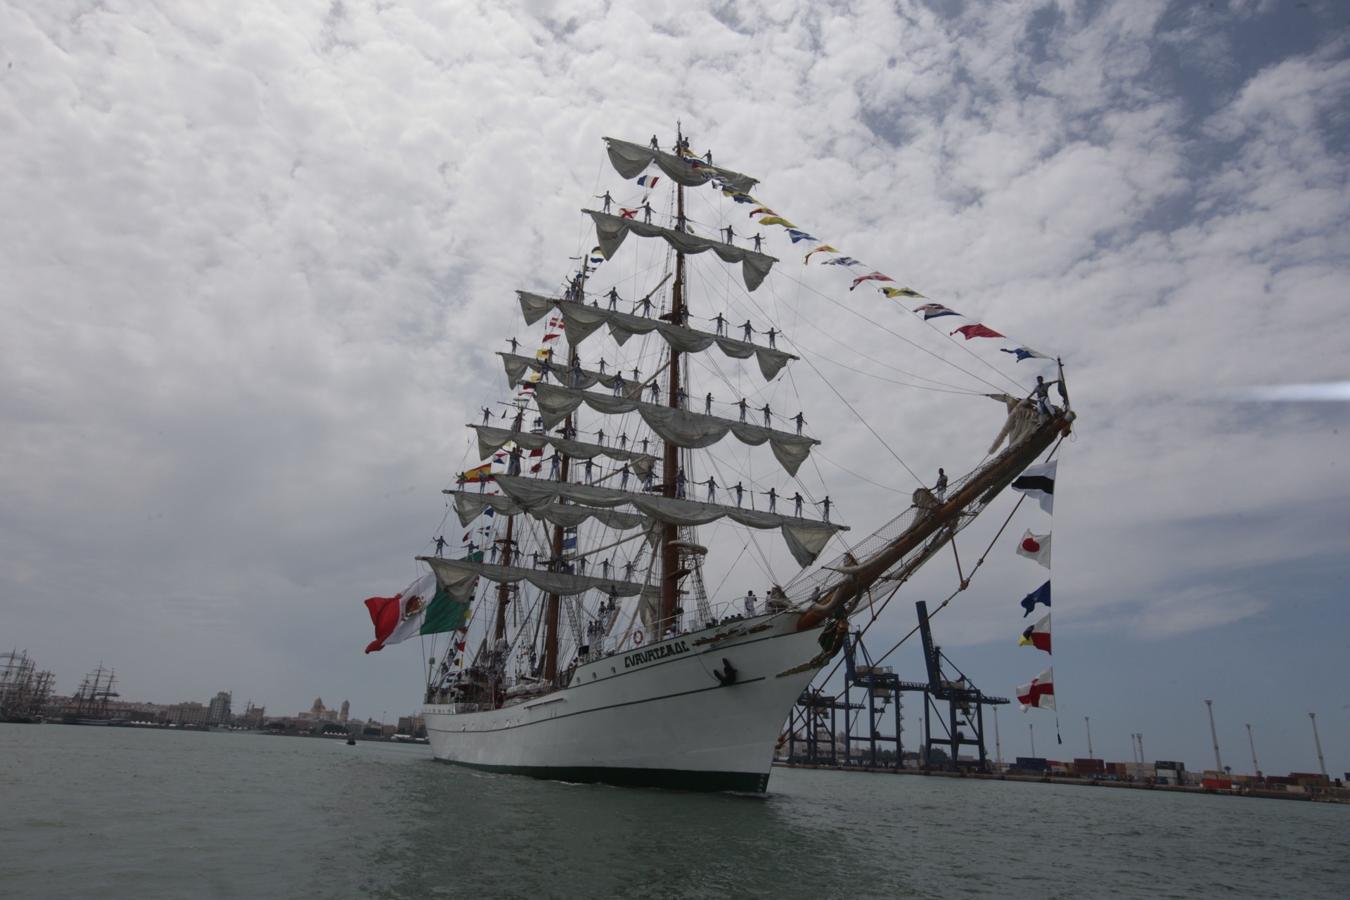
1260	793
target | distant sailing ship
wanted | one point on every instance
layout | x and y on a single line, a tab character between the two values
626	673
89	704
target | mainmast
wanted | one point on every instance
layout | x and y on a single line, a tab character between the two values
670	554
504	589
554	607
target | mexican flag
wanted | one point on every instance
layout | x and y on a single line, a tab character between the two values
422	608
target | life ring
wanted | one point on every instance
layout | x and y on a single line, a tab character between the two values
637	638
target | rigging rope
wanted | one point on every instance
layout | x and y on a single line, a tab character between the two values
961	587
913	344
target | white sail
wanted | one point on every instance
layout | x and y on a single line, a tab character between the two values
630	160
491	439
610	231
678	426
805	538
469	505
458	578
581	321
517	366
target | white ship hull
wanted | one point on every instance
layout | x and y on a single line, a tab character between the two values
655	716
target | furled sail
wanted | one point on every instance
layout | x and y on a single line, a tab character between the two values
677	426
458	578
517	366
492	439
469	505
805	538
631	160
611	230
581	321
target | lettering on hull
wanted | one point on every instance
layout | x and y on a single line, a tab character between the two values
662	651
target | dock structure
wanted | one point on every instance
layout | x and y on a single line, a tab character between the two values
871	705
962	722
881	689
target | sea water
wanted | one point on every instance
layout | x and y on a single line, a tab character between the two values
121	812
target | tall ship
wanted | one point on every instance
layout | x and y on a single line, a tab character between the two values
572	633
90	704
24	690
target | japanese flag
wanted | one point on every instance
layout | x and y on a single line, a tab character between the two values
1035	546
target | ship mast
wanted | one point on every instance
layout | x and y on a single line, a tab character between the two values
504	589
553	609
670	554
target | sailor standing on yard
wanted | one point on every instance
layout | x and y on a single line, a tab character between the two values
1042	394
742	406
707	404
607	198
721	322
940	489
800	419
750	603
613	296
440	545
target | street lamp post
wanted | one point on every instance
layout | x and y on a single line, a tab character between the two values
998	744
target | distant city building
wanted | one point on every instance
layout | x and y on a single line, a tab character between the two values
252	716
320	713
346	708
219	711
413	725
187	714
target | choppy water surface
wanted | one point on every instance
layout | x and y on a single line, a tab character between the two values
114	812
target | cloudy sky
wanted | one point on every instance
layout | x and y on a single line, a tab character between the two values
256	262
